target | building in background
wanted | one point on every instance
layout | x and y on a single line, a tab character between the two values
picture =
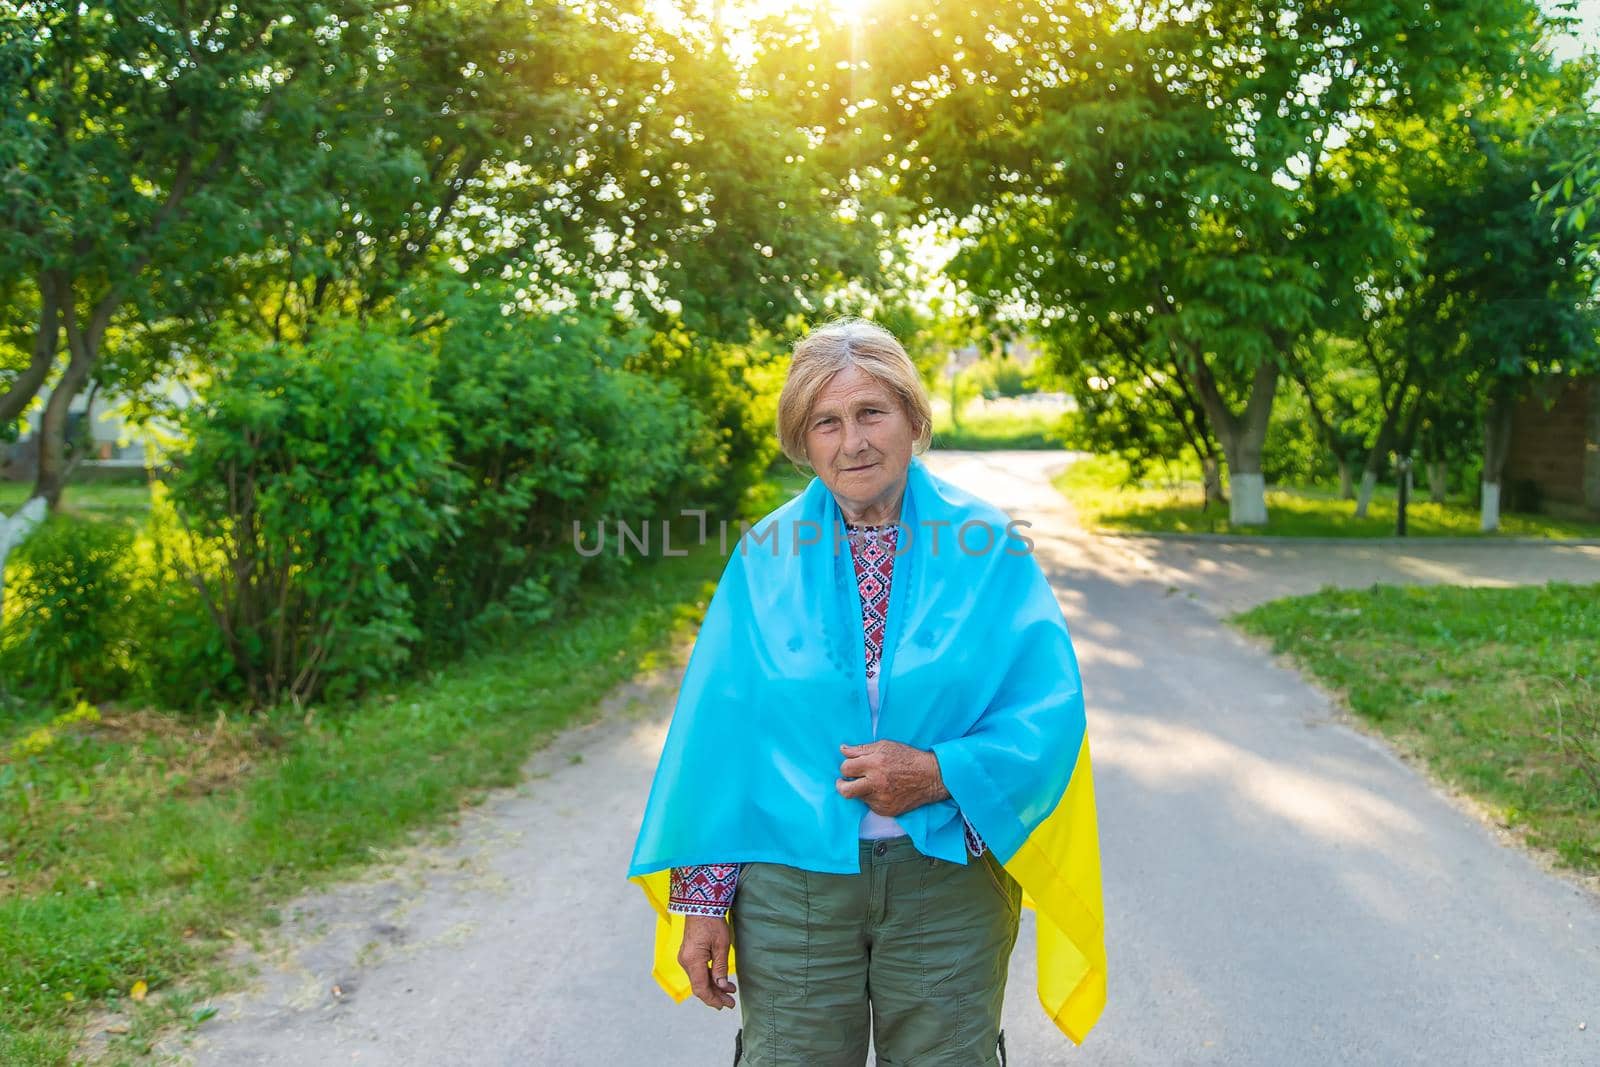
116	445
1553	464
1022	350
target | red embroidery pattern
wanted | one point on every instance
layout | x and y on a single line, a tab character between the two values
872	550
704	890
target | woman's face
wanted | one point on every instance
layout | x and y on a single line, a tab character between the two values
859	439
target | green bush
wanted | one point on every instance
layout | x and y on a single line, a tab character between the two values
545	427
306	483
99	610
1294	454
342	502
184	659
734	390
67	597
1128	418
997	377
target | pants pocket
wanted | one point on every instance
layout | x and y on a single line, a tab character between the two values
1000	879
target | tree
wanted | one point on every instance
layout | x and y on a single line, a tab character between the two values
306	488
134	150
1508	300
274	164
1339	401
1171	168
574	153
1130	405
1572	193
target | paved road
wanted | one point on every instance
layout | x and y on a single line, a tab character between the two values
1280	888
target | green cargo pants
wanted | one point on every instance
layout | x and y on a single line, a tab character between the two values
915	946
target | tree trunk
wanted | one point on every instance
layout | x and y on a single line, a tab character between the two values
1369	482
1247	503
46	343
1377	456
1337	443
1242	437
1369	479
1436	481
52	474
1489	513
1496	445
83	347
1211	472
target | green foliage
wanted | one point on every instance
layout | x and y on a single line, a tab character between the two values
140	151
1344	390
184	658
66	633
310	469
1294	454
1142	416
734	388
999	377
117	121
349	498
99	608
1165	194
263	166
1496	299
545	427
1509	297
1570	195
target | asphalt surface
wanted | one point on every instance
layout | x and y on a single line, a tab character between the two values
1280	888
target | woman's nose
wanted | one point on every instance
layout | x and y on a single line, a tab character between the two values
854	438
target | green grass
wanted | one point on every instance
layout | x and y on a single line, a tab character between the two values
137	847
1104	501
988	432
1495	689
126	501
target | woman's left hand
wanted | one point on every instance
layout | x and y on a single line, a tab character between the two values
892	778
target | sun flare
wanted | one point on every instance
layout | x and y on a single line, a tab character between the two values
733	12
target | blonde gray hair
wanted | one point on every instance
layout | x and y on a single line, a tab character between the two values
830	348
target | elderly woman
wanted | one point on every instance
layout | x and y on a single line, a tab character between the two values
877	756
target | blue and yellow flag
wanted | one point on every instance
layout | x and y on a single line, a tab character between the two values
977	666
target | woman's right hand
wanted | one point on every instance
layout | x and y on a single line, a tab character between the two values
704	958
